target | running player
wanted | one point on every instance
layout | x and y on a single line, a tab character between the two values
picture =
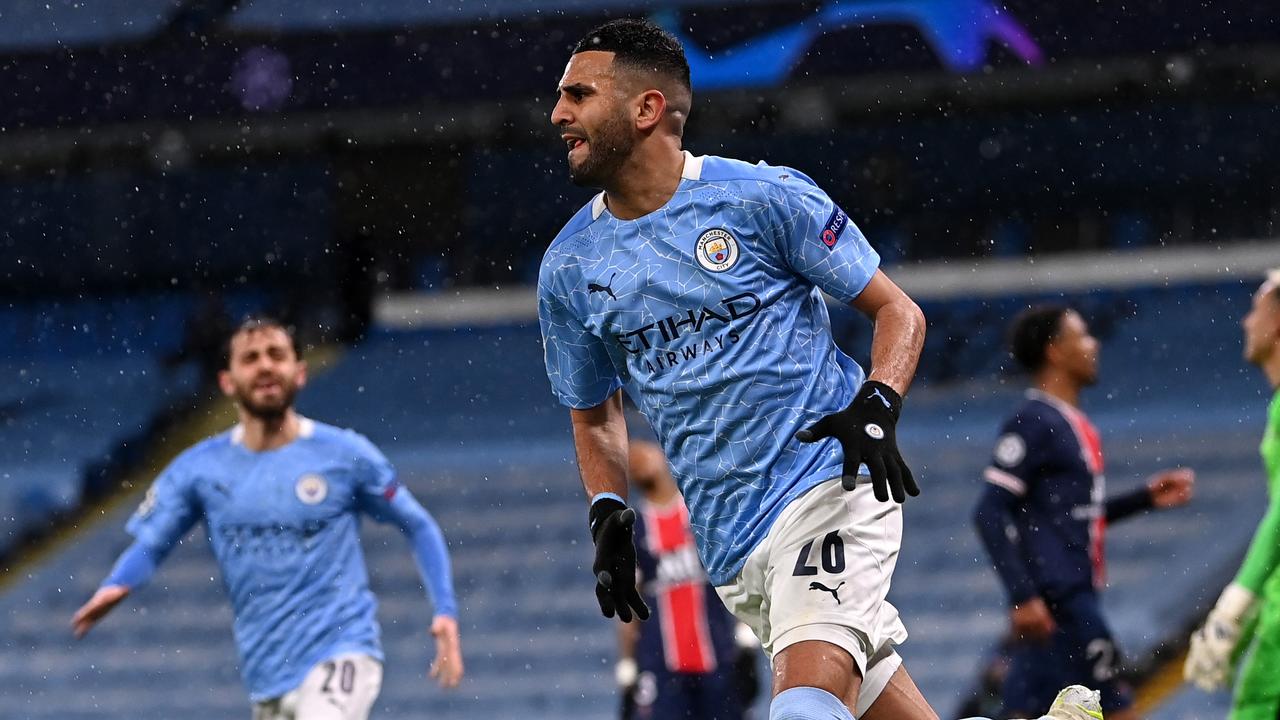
1042	517
1246	618
695	283
281	496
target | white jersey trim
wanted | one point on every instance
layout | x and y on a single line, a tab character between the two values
692	166
692	170
306	428
1009	482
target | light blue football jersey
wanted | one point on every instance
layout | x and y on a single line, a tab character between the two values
708	312
284	527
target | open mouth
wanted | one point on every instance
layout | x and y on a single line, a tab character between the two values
574	143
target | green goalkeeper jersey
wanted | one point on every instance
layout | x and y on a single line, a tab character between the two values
1264	551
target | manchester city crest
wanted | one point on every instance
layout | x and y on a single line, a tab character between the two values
311	489
716	250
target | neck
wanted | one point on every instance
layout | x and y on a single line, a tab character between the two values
1059	385
647	180
271	432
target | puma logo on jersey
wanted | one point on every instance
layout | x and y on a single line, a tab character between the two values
593	288
835	591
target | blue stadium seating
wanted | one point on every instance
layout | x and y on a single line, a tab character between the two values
467	418
40	25
86	380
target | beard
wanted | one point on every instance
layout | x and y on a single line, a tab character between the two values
267	410
606	152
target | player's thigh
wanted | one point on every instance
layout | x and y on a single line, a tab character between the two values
661	694
830	562
1034	678
715	696
822	665
342	688
1089	652
900	699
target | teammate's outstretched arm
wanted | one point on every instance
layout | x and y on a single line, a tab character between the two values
164	517
600	437
866	429
133	569
384	499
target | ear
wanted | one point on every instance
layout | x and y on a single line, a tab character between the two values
302	374
224	383
650	109
1052	353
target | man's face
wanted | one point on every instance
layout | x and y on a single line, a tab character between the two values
264	373
1075	350
1262	325
592	117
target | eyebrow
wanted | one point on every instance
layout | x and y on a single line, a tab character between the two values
576	88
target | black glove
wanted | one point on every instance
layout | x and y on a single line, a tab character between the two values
865	431
615	565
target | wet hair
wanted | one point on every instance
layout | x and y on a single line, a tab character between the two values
639	45
260	322
1031	332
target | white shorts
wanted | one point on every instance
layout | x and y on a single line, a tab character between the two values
341	688
822	573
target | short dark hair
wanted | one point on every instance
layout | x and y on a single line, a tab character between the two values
640	45
1031	332
254	322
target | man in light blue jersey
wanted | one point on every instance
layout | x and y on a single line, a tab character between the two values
281	497
694	283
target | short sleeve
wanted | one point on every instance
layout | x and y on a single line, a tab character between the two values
581	372
818	240
1017	458
169	509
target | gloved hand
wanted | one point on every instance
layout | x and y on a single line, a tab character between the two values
1211	659
612	524
866	432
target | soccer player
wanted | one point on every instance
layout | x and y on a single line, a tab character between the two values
1042	517
1246	617
694	281
281	496
690	662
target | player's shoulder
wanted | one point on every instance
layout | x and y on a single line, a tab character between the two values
1033	415
572	233
209	450
328	434
345	441
715	169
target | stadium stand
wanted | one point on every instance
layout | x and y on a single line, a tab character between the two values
26	26
89	385
488	452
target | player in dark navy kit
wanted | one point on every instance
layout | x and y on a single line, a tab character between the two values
693	660
1042	519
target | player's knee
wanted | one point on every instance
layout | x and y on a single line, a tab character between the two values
807	703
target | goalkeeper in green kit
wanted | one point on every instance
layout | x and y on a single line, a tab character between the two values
1244	625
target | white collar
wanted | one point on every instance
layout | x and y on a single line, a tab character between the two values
306	428
692	170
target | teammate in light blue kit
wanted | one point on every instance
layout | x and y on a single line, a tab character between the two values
280	496
693	283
